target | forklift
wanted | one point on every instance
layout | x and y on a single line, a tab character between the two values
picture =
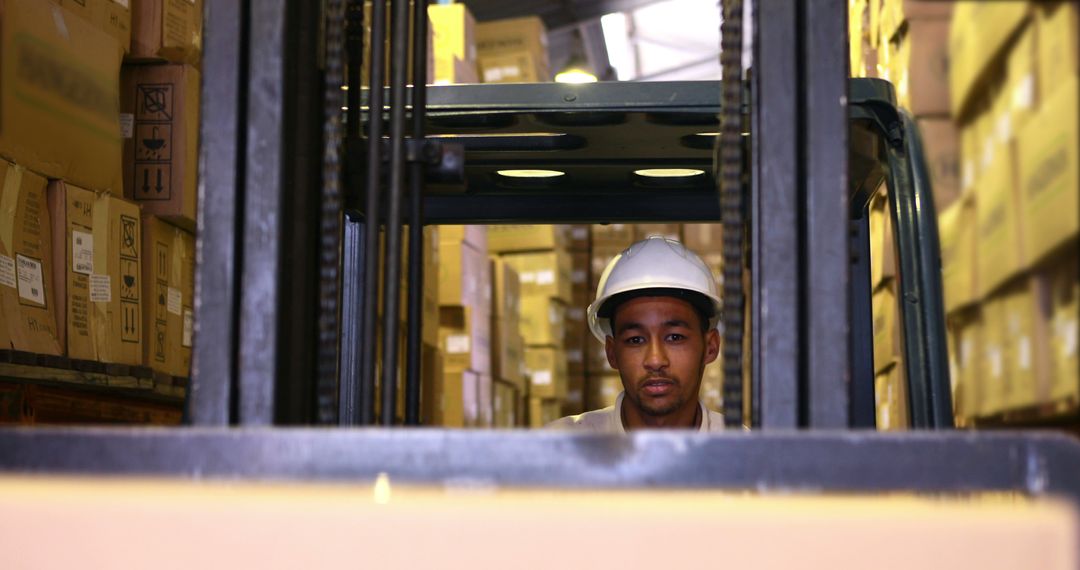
785	154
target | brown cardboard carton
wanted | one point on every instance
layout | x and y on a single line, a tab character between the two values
465	338
521	238
579	237
547	371
1000	251
922	68
581	292
612	236
1058	42
527	33
894	13
513	67
110	16
71	210
543	321
703	239
543	273
167	30
116	291
462	271
26	262
168	287
60	99
941	148
161	103
1048	148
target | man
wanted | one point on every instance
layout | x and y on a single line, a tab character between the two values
656	311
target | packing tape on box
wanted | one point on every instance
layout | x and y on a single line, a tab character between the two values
457	344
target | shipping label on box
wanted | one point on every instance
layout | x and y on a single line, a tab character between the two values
167	30
161	151
168	286
59	102
546	273
26	262
512	67
1049	153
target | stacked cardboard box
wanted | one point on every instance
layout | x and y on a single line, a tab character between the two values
1014	82
454	39
507	345
464	327
513	51
578	338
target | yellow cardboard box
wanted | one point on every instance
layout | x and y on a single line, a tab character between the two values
518	238
882	256
453	27
110	16
505	405
513	50
574	402
168	287
941	144
26	263
167	30
512	67
160	104
465	338
579	237
957	231
703	239
543	273
993	373
886	337
1000	252
979	33
474	235
543	321
118	300
1063	284
612	236
890	395
59	106
464	277
543	411
547	370
1049	152
1021	82
1058	44
1023	365
603	390
965	360
921	68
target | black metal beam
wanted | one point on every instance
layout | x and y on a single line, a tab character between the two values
863	411
943	462
541	208
221	175
774	216
824	140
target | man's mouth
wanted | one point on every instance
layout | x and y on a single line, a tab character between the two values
658	386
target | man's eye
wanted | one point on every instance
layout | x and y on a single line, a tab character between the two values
675	337
635	340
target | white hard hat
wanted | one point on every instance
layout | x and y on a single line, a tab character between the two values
655	263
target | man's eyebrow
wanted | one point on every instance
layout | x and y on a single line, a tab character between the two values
628	326
677	323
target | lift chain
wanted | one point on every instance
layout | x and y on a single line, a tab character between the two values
730	164
330	225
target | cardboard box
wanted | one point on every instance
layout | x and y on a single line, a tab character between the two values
475	235
71	210
463	275
894	13
449	398
522	238
712	386
922	68
26	263
890	395
432	391
612	236
596	358
543	273
118	254
993	378
670	231
454	28
703	239
887	337
543	411
581	293
882	255
168	287
543	321
601	258
505	405
1058	42
574	402
527	33
1062	285
579	237
1023	365
957	233
512	67
60	98
110	16
1049	156
941	147
603	390
1021	82
465	338
965	362
980	32
167	30
547	371
1000	251
160	103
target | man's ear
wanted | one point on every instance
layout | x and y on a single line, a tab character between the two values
712	345
609	349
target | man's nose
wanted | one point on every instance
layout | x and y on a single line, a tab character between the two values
656	355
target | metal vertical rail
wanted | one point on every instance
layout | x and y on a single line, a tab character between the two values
863	408
221	178
262	239
399	46
373	189
415	314
731	203
774	215
352	292
825	144
331	217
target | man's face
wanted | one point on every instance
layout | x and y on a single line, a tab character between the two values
660	351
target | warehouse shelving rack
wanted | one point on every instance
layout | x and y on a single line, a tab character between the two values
277	186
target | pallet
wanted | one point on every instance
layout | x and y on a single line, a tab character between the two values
137	381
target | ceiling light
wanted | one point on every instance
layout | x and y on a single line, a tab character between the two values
669	172
575	75
531	173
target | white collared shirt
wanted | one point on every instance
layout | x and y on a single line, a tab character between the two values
609	419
